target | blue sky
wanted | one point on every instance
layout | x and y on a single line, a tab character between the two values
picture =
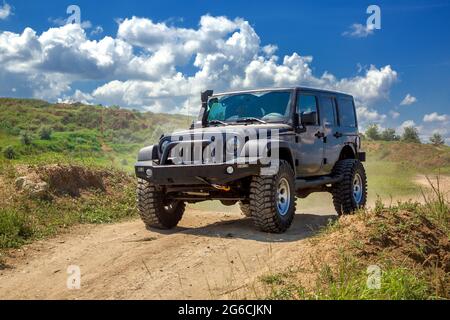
413	41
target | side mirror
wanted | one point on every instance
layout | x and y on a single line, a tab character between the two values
309	118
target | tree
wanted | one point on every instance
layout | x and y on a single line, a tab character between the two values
45	133
437	140
411	134
373	132
389	135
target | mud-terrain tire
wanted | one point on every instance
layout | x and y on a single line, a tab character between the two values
245	209
154	211
350	194
266	207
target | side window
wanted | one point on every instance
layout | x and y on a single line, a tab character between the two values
347	114
306	103
328	111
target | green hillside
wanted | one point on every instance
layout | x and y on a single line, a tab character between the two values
37	131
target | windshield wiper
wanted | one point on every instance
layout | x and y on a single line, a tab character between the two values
251	119
217	122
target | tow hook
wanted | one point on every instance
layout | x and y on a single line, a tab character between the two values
223	188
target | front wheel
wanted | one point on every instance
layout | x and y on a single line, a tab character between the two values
350	194
154	210
272	200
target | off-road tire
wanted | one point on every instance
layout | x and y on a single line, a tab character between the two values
343	199
153	210
245	209
263	200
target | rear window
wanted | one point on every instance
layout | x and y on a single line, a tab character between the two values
347	114
328	111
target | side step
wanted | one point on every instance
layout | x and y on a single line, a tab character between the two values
316	182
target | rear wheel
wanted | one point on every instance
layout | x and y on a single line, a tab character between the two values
272	200
154	210
350	194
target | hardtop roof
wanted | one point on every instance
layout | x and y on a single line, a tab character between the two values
285	89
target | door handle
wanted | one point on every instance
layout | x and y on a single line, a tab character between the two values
338	135
320	134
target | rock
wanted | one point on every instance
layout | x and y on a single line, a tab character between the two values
19	182
35	189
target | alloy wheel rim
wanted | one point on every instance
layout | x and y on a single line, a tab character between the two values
357	188
283	197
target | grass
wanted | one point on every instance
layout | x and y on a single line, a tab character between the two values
349	282
386	179
107	136
406	243
24	219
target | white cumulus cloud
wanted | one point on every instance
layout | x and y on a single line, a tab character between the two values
358	30
394	114
435	117
408	100
155	66
5	11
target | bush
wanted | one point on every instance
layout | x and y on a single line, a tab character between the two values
437	139
15	229
389	135
45	133
26	139
411	134
10	153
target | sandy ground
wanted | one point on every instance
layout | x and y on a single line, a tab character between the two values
210	255
442	181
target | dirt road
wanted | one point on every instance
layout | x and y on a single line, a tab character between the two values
210	255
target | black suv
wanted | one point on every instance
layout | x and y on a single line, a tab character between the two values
261	149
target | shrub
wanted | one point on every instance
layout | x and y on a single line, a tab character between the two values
389	135
45	133
411	134
437	140
10	153
26	139
15	229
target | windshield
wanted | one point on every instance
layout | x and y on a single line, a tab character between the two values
267	106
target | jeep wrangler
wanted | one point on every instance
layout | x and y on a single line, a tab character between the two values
260	149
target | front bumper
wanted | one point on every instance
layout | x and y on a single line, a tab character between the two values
201	174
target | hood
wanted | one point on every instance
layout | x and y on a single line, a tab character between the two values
240	130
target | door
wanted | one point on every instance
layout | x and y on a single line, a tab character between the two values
333	136
309	144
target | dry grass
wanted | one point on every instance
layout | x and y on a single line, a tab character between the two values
408	241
